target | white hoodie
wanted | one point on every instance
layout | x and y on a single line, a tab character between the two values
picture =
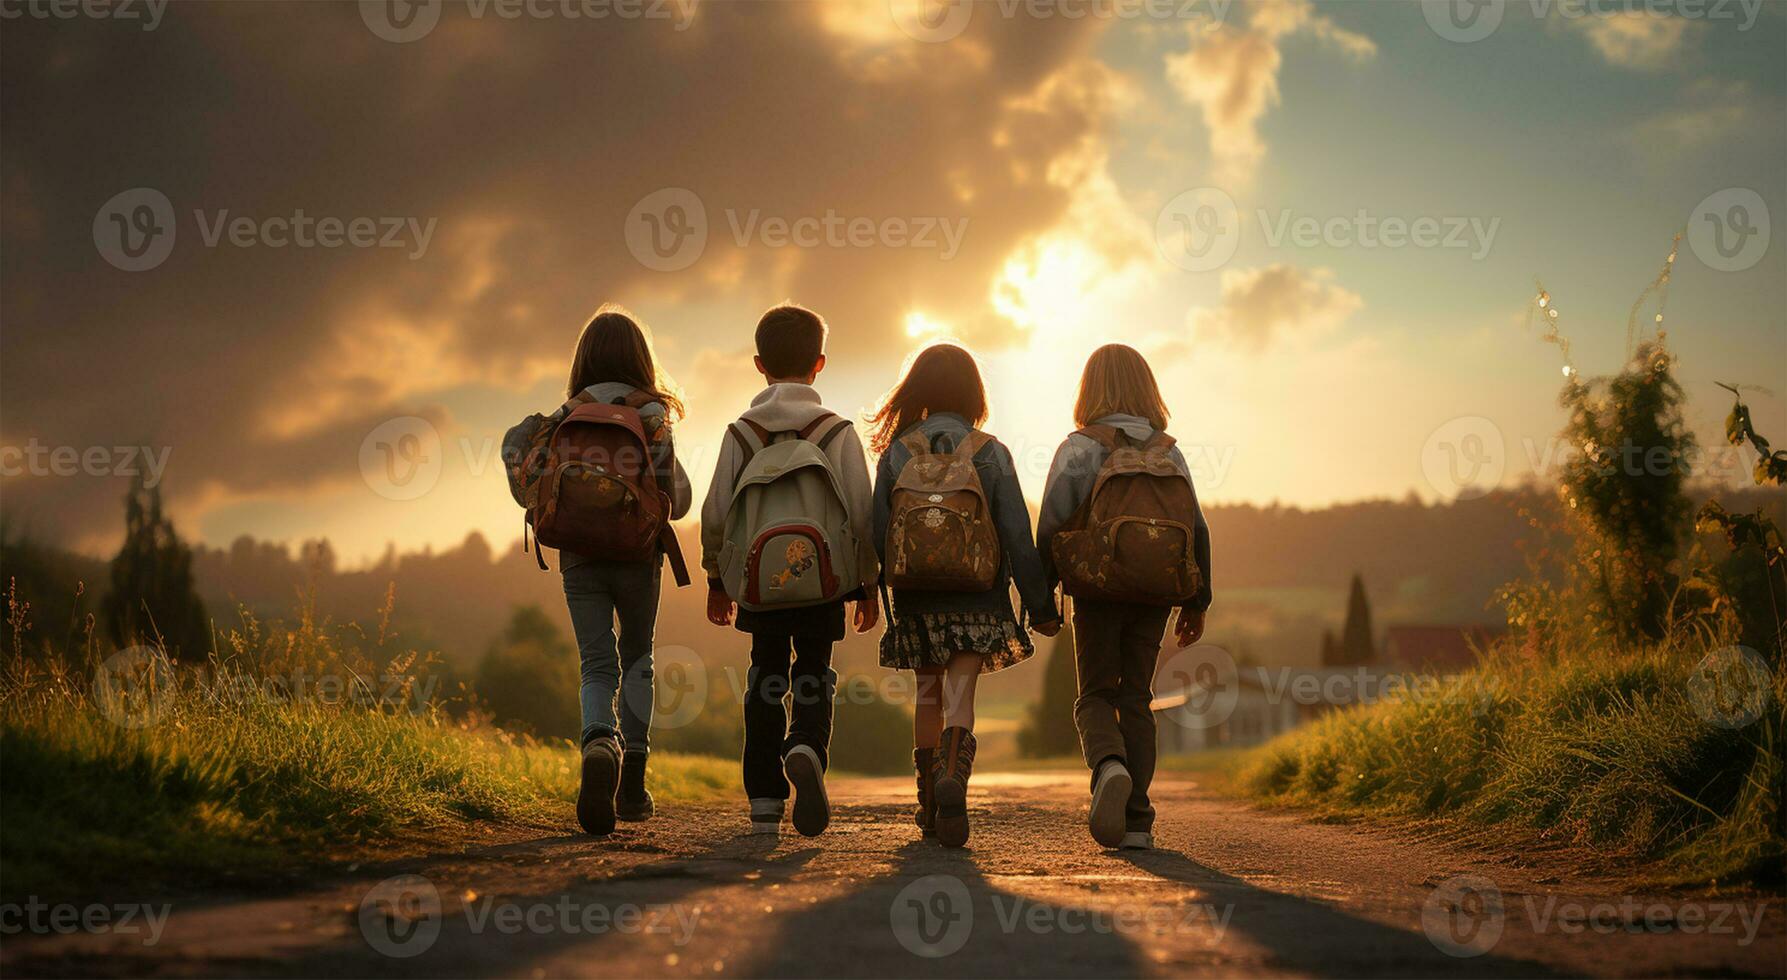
783	407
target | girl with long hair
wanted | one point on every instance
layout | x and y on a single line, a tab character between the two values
950	636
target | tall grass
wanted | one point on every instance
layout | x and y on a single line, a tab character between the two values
289	746
1593	748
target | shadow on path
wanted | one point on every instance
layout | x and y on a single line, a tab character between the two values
1307	936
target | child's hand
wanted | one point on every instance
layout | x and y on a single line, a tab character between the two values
1189	629
1049	628
719	606
868	613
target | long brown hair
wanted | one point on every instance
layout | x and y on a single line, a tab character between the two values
942	378
614	347
1117	380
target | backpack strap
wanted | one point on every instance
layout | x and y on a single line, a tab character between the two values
972	443
638	399
806	431
750	437
673	550
830	432
1105	435
917	442
1160	442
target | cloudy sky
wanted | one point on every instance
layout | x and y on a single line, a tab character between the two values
317	256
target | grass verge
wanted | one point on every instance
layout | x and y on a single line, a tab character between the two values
1617	754
264	786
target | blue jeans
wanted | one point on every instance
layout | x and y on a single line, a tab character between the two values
600	593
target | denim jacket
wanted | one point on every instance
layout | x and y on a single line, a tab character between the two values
999	478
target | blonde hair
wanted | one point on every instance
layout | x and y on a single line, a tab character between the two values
1117	380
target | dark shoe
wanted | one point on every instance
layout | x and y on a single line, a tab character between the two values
812	811
601	771
631	801
925	815
954	764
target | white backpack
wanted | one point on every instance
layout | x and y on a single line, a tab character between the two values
788	537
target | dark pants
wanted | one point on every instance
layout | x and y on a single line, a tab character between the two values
1116	646
798	667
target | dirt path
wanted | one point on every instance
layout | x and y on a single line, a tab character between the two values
1231	890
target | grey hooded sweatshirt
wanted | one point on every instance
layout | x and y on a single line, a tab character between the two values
779	408
1071	476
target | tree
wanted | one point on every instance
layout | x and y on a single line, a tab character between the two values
1624	495
1049	730
1356	644
152	597
529	678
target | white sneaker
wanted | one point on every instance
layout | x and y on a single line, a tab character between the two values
812	809
766	816
1110	794
1137	840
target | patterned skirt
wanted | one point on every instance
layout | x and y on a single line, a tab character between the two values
929	639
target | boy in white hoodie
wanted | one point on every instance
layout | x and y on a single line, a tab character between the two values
791	648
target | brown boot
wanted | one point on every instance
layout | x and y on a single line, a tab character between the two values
954	763
925	815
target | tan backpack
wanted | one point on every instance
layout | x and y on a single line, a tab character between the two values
789	542
940	531
1133	540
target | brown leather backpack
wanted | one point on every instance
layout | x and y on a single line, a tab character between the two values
1133	540
940	531
598	492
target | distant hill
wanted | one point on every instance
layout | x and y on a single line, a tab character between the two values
1280	573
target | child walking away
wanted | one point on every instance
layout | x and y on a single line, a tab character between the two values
785	537
953	534
1121	530
601	483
